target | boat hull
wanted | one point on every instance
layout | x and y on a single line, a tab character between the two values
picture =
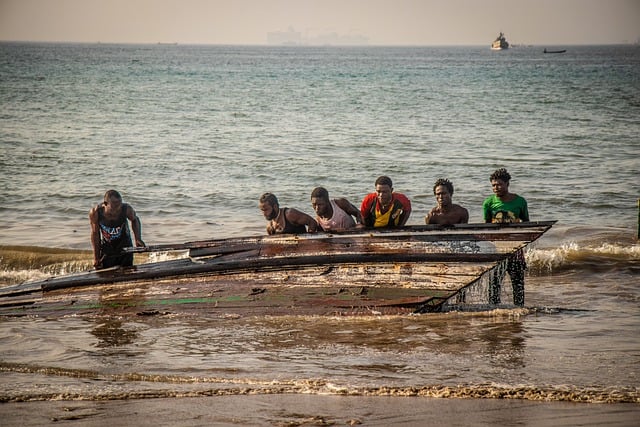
417	269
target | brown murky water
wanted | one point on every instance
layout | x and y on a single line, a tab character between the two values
575	341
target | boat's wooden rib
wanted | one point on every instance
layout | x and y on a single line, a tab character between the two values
410	270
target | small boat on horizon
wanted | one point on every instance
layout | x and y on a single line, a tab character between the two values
554	51
500	42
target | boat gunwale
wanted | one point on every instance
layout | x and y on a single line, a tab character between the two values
432	229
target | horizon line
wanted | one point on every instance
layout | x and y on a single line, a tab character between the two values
301	45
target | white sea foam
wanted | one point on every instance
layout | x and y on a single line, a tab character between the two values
577	254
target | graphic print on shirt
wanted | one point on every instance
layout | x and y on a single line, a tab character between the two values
505	217
111	234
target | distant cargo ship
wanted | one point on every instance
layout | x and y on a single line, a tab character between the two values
500	43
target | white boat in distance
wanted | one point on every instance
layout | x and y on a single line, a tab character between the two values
500	42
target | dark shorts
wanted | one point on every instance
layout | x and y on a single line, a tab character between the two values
113	256
124	260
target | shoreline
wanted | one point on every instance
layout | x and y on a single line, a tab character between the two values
304	409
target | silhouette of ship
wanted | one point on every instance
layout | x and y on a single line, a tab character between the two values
500	43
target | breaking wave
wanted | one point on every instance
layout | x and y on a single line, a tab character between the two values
20	264
145	386
587	257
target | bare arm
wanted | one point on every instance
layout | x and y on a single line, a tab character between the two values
95	237
300	218
346	206
403	219
429	218
136	226
464	216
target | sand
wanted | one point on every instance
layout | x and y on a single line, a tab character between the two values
315	410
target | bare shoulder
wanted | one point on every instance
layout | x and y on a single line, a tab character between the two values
463	214
131	213
293	213
343	203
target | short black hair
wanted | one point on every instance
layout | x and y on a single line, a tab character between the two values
384	180
111	193
269	198
444	182
320	192
500	174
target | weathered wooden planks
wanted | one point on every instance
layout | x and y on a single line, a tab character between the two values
335	290
401	271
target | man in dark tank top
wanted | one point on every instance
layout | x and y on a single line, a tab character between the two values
110	231
285	220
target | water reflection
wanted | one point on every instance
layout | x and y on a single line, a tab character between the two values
389	349
504	344
111	332
114	302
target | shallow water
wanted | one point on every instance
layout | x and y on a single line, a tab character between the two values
574	341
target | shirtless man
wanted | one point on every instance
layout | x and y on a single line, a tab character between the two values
334	214
110	231
285	220
446	212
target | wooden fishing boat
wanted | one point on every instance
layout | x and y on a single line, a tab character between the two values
554	51
414	269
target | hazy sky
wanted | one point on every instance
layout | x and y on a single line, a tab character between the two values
383	22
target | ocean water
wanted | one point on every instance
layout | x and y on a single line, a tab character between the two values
192	135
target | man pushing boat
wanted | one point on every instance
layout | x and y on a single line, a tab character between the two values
334	214
506	207
110	231
385	207
446	212
285	220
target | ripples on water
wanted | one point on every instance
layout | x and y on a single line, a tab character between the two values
448	355
574	342
192	135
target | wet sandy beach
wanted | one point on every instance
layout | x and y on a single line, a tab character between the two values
315	410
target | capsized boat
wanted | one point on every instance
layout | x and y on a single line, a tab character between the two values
414	269
500	42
